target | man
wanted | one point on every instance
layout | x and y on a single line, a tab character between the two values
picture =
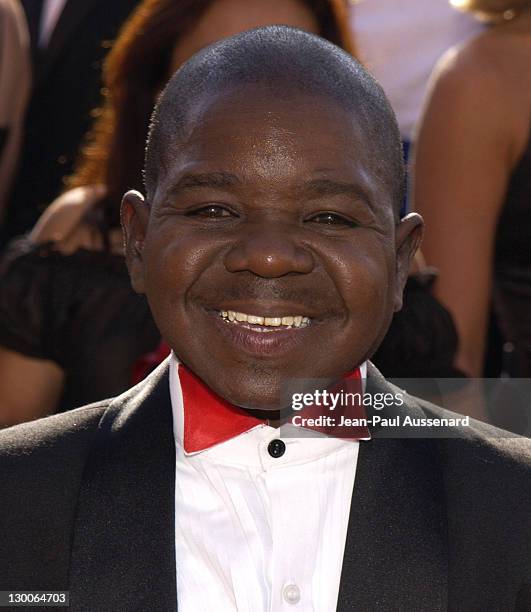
69	41
270	251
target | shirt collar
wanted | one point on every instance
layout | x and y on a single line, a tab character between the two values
217	420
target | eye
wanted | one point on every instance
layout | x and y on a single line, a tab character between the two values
211	211
329	218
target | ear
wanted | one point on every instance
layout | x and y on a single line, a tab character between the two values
408	236
134	214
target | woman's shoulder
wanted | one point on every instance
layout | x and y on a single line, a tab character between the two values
481	87
64	223
492	61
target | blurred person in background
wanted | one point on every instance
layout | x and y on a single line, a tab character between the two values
69	39
71	327
473	183
15	79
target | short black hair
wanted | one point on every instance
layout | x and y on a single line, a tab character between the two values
285	57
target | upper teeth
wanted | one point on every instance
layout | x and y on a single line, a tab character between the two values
291	321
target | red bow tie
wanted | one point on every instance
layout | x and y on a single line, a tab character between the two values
209	419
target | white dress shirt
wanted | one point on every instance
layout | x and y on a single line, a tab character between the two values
51	11
255	533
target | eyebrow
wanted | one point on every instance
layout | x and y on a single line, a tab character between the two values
327	187
214	180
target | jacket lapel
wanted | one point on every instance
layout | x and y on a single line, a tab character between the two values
395	552
123	555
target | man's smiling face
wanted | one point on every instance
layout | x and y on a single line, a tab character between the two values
269	248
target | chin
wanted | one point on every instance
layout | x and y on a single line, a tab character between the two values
250	392
251	400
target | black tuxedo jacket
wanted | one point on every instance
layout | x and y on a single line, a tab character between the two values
88	506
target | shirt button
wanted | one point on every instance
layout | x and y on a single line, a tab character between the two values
276	448
291	594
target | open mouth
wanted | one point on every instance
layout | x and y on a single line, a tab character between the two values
264	336
264	324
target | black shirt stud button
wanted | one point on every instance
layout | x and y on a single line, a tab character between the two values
276	448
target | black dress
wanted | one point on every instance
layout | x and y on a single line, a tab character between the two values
79	311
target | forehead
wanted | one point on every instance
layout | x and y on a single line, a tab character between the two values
275	139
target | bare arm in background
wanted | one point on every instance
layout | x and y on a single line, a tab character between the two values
474	130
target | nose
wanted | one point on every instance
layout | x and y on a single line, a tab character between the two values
269	251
